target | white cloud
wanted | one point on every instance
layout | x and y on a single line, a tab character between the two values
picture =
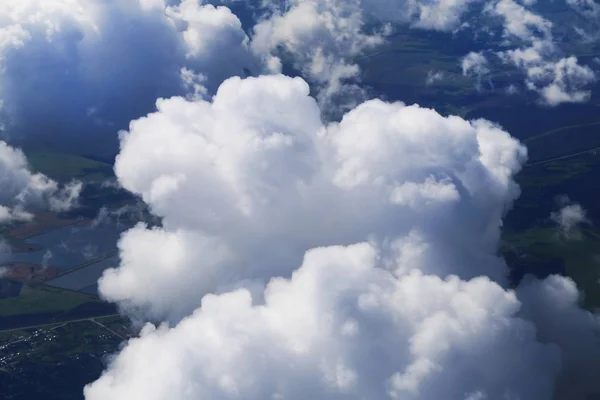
61	58
588	8
322	37
433	77
512	90
553	306
557	79
569	218
216	44
521	22
24	191
440	15
272	182
252	183
567	77
342	327
475	63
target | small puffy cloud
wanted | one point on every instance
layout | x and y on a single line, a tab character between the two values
557	79
320	38
520	22
569	218
474	64
23	191
433	77
512	90
567	78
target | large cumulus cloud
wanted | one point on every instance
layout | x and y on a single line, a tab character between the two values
343	327
298	258
553	305
75	68
79	68
247	183
416	310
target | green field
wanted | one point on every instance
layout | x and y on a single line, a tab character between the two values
564	141
64	167
558	171
42	299
60	358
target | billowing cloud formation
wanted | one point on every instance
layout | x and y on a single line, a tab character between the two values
252	184
23	191
75	68
403	314
343	327
78	67
553	306
272	181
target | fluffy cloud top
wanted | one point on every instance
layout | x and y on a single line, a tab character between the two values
54	68
23	191
272	181
253	184
343	327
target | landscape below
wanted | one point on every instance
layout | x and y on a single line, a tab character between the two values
53	324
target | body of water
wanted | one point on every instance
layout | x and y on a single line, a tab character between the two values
85	279
67	247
